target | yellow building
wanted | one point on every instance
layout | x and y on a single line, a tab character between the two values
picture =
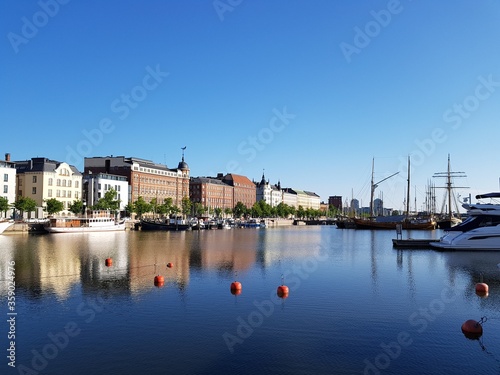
41	179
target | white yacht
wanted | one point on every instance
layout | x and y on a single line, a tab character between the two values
480	231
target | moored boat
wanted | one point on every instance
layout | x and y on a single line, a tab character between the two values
480	231
96	221
172	224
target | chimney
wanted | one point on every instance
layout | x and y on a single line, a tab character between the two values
107	165
7	156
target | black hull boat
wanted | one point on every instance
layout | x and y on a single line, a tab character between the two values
161	225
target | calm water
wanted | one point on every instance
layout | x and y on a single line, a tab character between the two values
356	305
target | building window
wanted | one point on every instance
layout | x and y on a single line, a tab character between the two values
51	181
64	182
64	193
77	185
58	182
98	186
5	177
33	190
69	194
5	189
34	179
58	193
69	183
49	193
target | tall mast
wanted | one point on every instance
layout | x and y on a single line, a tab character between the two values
449	174
372	189
408	191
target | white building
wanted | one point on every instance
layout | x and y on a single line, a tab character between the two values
96	185
8	175
42	179
289	197
271	194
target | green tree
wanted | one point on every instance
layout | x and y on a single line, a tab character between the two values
256	210
186	206
53	206
218	211
76	207
4	205
25	204
197	209
129	208
108	202
166	207
301	212
227	211
141	206
239	210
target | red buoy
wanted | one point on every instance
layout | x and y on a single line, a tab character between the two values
482	289
170	265
236	286
282	291
235	292
472	329
159	280
109	262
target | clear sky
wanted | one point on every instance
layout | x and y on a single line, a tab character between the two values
310	91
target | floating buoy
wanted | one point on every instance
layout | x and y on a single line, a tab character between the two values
109	262
482	289
170	265
159	280
282	291
236	286
235	292
472	329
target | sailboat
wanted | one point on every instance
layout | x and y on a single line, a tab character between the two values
406	222
448	220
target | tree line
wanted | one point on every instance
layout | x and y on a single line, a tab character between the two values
166	207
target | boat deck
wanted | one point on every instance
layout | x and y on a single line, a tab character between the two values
413	243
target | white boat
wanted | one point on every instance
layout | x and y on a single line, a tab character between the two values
480	231
97	221
4	224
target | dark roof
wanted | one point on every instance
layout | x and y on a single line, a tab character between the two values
41	165
207	180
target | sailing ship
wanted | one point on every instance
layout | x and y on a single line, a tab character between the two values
407	222
448	220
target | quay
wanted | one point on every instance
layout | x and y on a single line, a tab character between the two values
413	243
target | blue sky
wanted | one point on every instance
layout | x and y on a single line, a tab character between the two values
308	91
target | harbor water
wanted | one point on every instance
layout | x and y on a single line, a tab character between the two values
355	305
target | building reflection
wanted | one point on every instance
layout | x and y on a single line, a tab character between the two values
58	263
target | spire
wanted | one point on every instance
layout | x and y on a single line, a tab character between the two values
263	180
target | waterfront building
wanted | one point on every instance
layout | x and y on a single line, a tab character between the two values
8	176
314	201
378	207
211	192
41	179
95	187
271	194
244	190
146	178
289	197
335	201
296	198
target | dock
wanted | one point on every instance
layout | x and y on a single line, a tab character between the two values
413	243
